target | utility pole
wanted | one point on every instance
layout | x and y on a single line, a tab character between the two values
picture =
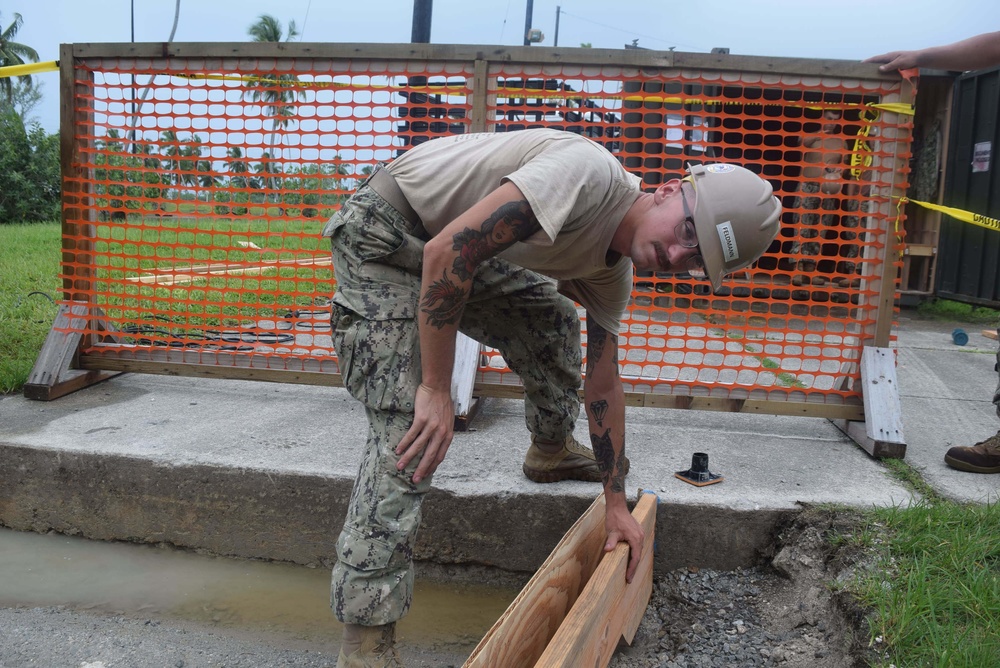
527	22
558	11
421	32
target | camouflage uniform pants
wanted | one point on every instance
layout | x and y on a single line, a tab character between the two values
377	258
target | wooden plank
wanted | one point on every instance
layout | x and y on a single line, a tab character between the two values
524	630
717	404
880	431
471	52
463	377
883	415
54	374
188	274
609	609
67	157
247	366
858	433
896	142
107	362
990	334
480	97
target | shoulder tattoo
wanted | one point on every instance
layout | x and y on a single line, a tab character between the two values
512	222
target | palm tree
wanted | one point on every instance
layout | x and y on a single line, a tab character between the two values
14	53
276	92
238	167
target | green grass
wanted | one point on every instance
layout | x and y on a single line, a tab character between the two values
935	590
946	309
129	251
29	263
934	583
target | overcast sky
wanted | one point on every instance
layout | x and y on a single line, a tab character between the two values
844	29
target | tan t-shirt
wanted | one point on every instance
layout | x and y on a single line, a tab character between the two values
578	191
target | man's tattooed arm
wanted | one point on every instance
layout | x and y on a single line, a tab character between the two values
512	222
606	412
611	467
444	298
443	302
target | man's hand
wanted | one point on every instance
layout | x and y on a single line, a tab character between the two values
622	528
895	60
431	432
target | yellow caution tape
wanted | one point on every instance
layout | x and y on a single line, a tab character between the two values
895	107
958	214
30	68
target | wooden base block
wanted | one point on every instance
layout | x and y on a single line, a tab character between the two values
54	374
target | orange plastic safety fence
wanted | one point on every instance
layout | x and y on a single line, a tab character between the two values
202	187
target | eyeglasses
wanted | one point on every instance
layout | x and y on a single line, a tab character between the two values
687	236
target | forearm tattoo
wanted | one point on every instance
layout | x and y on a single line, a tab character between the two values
599	409
443	302
512	222
611	467
597	341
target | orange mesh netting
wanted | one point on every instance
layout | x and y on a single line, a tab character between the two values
201	186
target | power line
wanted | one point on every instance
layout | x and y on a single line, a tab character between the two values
631	32
503	26
302	35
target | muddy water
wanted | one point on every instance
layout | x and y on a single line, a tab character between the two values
157	582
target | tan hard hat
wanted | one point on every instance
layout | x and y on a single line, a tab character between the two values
735	215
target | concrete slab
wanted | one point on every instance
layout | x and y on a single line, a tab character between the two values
947	399
265	470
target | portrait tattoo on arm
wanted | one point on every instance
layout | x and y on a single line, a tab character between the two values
611	467
443	302
512	222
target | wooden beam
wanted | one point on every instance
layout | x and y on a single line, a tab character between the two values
831	411
881	433
577	605
55	372
493	53
463	380
858	433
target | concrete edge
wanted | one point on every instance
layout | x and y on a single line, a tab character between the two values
258	514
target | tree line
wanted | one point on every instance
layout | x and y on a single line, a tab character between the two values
29	156
176	169
136	177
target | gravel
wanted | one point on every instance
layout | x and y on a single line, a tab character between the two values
782	614
735	618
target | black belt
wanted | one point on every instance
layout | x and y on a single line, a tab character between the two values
383	183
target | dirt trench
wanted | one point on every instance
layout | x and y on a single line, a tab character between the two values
785	612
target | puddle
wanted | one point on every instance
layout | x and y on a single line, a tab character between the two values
160	582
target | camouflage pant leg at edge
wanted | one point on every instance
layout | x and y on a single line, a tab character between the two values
376	340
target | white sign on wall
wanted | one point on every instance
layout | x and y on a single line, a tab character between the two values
981	156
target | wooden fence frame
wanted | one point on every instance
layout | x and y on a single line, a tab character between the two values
58	371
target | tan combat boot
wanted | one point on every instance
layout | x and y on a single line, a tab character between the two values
569	460
369	647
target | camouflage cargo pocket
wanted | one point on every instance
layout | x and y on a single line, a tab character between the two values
369	554
379	359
